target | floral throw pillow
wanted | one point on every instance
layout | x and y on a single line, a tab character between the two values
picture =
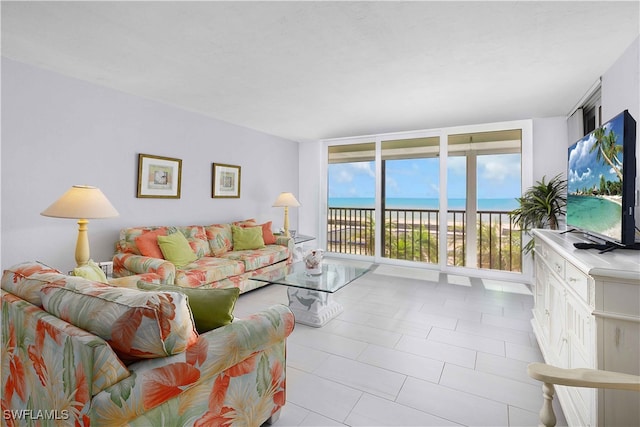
137	324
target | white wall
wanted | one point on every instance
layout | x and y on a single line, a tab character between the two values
311	180
59	131
621	91
621	85
549	148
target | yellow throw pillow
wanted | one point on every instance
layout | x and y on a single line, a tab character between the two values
211	308
91	271
247	238
176	249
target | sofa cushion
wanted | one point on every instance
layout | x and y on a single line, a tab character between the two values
127	240
211	308
251	222
147	243
245	238
132	281
138	325
207	270
91	271
219	237
26	279
267	234
197	238
195	234
176	249
255	259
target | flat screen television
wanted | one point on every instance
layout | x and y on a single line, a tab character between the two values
601	183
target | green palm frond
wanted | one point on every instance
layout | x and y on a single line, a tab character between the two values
541	206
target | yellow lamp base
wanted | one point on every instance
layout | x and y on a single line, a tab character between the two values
82	244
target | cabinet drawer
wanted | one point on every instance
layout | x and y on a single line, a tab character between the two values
555	262
577	281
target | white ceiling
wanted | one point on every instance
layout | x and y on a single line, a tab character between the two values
307	70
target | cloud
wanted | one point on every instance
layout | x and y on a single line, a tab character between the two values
457	165
346	172
363	167
343	176
499	168
580	157
351	179
574	176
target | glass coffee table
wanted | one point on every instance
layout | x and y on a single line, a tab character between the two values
310	296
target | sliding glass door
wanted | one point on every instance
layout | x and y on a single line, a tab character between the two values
499	183
351	196
436	197
483	182
410	199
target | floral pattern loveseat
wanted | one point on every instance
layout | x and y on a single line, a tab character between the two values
218	263
77	352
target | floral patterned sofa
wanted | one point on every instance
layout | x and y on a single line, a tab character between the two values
78	352
218	262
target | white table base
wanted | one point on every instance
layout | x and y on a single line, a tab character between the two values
313	308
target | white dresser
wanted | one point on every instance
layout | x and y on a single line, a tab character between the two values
587	315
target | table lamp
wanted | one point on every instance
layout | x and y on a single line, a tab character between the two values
82	202
286	200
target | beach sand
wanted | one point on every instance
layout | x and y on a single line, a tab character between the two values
614	199
615	232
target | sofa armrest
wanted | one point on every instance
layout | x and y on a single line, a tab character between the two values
227	352
49	364
289	243
131	264
284	241
228	345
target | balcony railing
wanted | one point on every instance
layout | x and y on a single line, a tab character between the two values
413	234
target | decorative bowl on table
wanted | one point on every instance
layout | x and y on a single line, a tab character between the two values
313	262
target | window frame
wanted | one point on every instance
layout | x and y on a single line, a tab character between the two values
526	128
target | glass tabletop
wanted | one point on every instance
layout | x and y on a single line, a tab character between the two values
301	238
334	276
298	238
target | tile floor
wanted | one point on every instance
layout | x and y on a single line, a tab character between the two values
413	348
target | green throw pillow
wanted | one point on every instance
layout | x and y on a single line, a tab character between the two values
211	308
247	238
90	271
176	249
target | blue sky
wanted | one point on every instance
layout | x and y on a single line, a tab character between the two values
584	170
498	177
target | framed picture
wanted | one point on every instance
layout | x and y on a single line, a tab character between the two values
159	177
226	181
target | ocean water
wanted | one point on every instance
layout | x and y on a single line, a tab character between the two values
595	214
413	203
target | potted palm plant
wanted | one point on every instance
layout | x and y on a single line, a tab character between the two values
541	206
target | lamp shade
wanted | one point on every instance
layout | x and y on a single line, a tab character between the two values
81	202
286	200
